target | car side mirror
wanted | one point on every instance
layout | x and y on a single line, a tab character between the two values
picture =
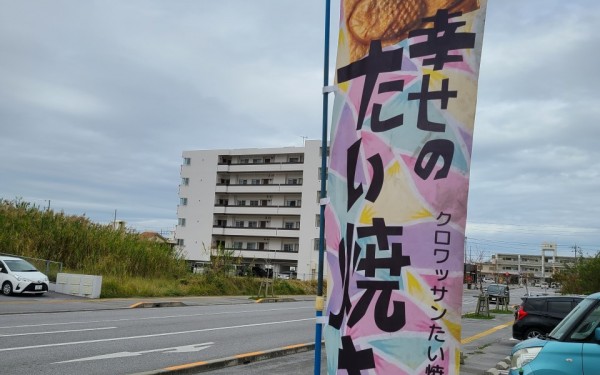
597	335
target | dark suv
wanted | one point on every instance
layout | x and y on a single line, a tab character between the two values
537	316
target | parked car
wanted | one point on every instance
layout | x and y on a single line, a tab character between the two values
488	280
495	292
537	316
19	276
572	348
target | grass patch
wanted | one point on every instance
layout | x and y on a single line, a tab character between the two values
500	311
198	285
478	316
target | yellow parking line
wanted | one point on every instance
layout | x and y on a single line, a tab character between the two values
485	333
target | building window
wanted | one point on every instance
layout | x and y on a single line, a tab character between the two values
255	181
288	225
185	181
183	201
181	222
187	161
294	160
241	202
319	176
292	203
252	224
251	245
253	203
244	161
317	221
257	161
290	247
237	245
180	242
239	224
243	182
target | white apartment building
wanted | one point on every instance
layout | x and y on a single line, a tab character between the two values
261	203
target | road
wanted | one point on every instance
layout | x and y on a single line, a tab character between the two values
126	341
135	340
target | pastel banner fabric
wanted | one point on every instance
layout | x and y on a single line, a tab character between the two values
398	176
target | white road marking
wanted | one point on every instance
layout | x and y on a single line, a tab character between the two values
153	335
151	317
176	349
49	332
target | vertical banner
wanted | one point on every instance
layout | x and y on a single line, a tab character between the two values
398	175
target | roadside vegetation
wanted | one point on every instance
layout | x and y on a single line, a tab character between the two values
582	277
129	264
475	315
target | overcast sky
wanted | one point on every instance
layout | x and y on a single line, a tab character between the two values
98	99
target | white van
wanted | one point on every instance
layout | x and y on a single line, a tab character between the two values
19	276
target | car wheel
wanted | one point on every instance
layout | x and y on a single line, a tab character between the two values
533	333
7	288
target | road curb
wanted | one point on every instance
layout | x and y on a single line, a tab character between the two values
500	369
240	359
139	305
275	299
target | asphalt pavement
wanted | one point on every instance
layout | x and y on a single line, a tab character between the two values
483	350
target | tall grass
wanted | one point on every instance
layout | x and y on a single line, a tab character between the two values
130	265
83	246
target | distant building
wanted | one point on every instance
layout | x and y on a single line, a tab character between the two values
153	236
519	267
261	203
157	237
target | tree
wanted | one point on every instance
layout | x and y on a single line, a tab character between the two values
582	277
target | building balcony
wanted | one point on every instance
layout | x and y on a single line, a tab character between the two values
257	210
261	167
280	250
258	232
258	188
267	255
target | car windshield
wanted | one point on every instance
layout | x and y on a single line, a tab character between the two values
573	317
493	289
19	265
